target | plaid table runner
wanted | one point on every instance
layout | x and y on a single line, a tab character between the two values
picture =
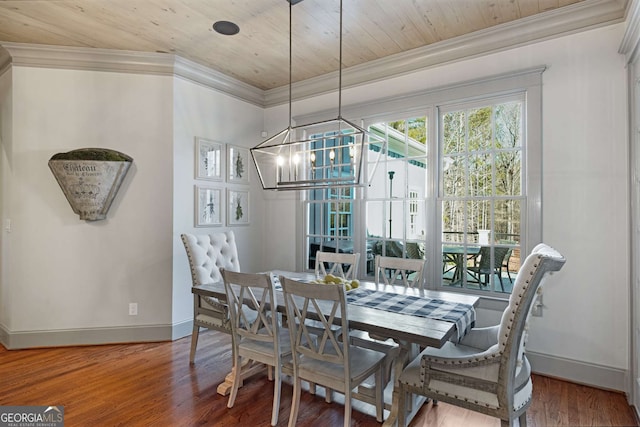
463	315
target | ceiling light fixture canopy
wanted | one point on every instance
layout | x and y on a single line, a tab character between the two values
324	154
226	28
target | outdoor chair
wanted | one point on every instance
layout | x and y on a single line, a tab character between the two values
483	270
327	358
487	371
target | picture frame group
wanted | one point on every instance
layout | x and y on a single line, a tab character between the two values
220	163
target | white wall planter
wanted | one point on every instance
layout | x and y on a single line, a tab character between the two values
90	179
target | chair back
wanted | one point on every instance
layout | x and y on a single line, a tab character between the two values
499	255
399	271
318	340
335	263
251	298
208	253
512	334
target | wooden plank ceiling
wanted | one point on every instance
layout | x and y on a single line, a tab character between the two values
259	54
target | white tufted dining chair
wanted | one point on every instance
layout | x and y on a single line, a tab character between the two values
207	254
487	371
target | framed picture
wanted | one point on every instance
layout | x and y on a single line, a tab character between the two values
238	207
208	206
209	159
237	164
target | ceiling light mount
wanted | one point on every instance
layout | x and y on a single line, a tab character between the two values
226	28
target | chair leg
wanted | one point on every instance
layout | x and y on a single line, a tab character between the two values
380	394
347	408
523	419
276	395
402	406
237	366
295	402
328	395
194	343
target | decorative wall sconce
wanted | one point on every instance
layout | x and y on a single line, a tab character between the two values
90	179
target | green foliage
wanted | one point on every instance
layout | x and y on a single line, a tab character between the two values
484	160
100	154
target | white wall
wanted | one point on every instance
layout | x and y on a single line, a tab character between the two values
585	184
199	111
6	117
66	274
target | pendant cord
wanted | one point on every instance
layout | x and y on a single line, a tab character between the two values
340	69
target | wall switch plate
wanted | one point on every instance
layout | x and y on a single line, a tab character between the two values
537	307
133	309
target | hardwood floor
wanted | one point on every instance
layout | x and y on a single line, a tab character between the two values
154	385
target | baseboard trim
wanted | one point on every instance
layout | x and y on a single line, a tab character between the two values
590	374
94	336
571	370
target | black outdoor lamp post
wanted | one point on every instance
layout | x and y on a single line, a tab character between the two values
391	173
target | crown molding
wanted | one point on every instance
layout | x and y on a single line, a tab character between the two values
631	40
207	77
94	59
566	20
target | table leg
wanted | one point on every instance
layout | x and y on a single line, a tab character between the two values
408	352
247	369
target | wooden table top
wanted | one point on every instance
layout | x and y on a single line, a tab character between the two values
402	327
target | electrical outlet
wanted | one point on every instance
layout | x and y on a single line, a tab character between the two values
133	309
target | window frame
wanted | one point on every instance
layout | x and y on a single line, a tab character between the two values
527	82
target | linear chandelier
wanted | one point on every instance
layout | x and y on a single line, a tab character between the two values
324	154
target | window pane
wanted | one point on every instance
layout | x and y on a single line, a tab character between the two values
509	125
396	219
454	182
480	175
479	218
415	218
509	173
376	219
454	132
452	221
480	129
507	222
480	185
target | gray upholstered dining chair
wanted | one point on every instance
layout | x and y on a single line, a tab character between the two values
399	271
487	371
335	263
207	254
327	358
257	338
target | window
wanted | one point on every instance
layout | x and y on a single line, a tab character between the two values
457	184
395	200
481	194
329	212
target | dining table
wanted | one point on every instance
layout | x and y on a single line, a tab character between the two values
458	256
414	318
